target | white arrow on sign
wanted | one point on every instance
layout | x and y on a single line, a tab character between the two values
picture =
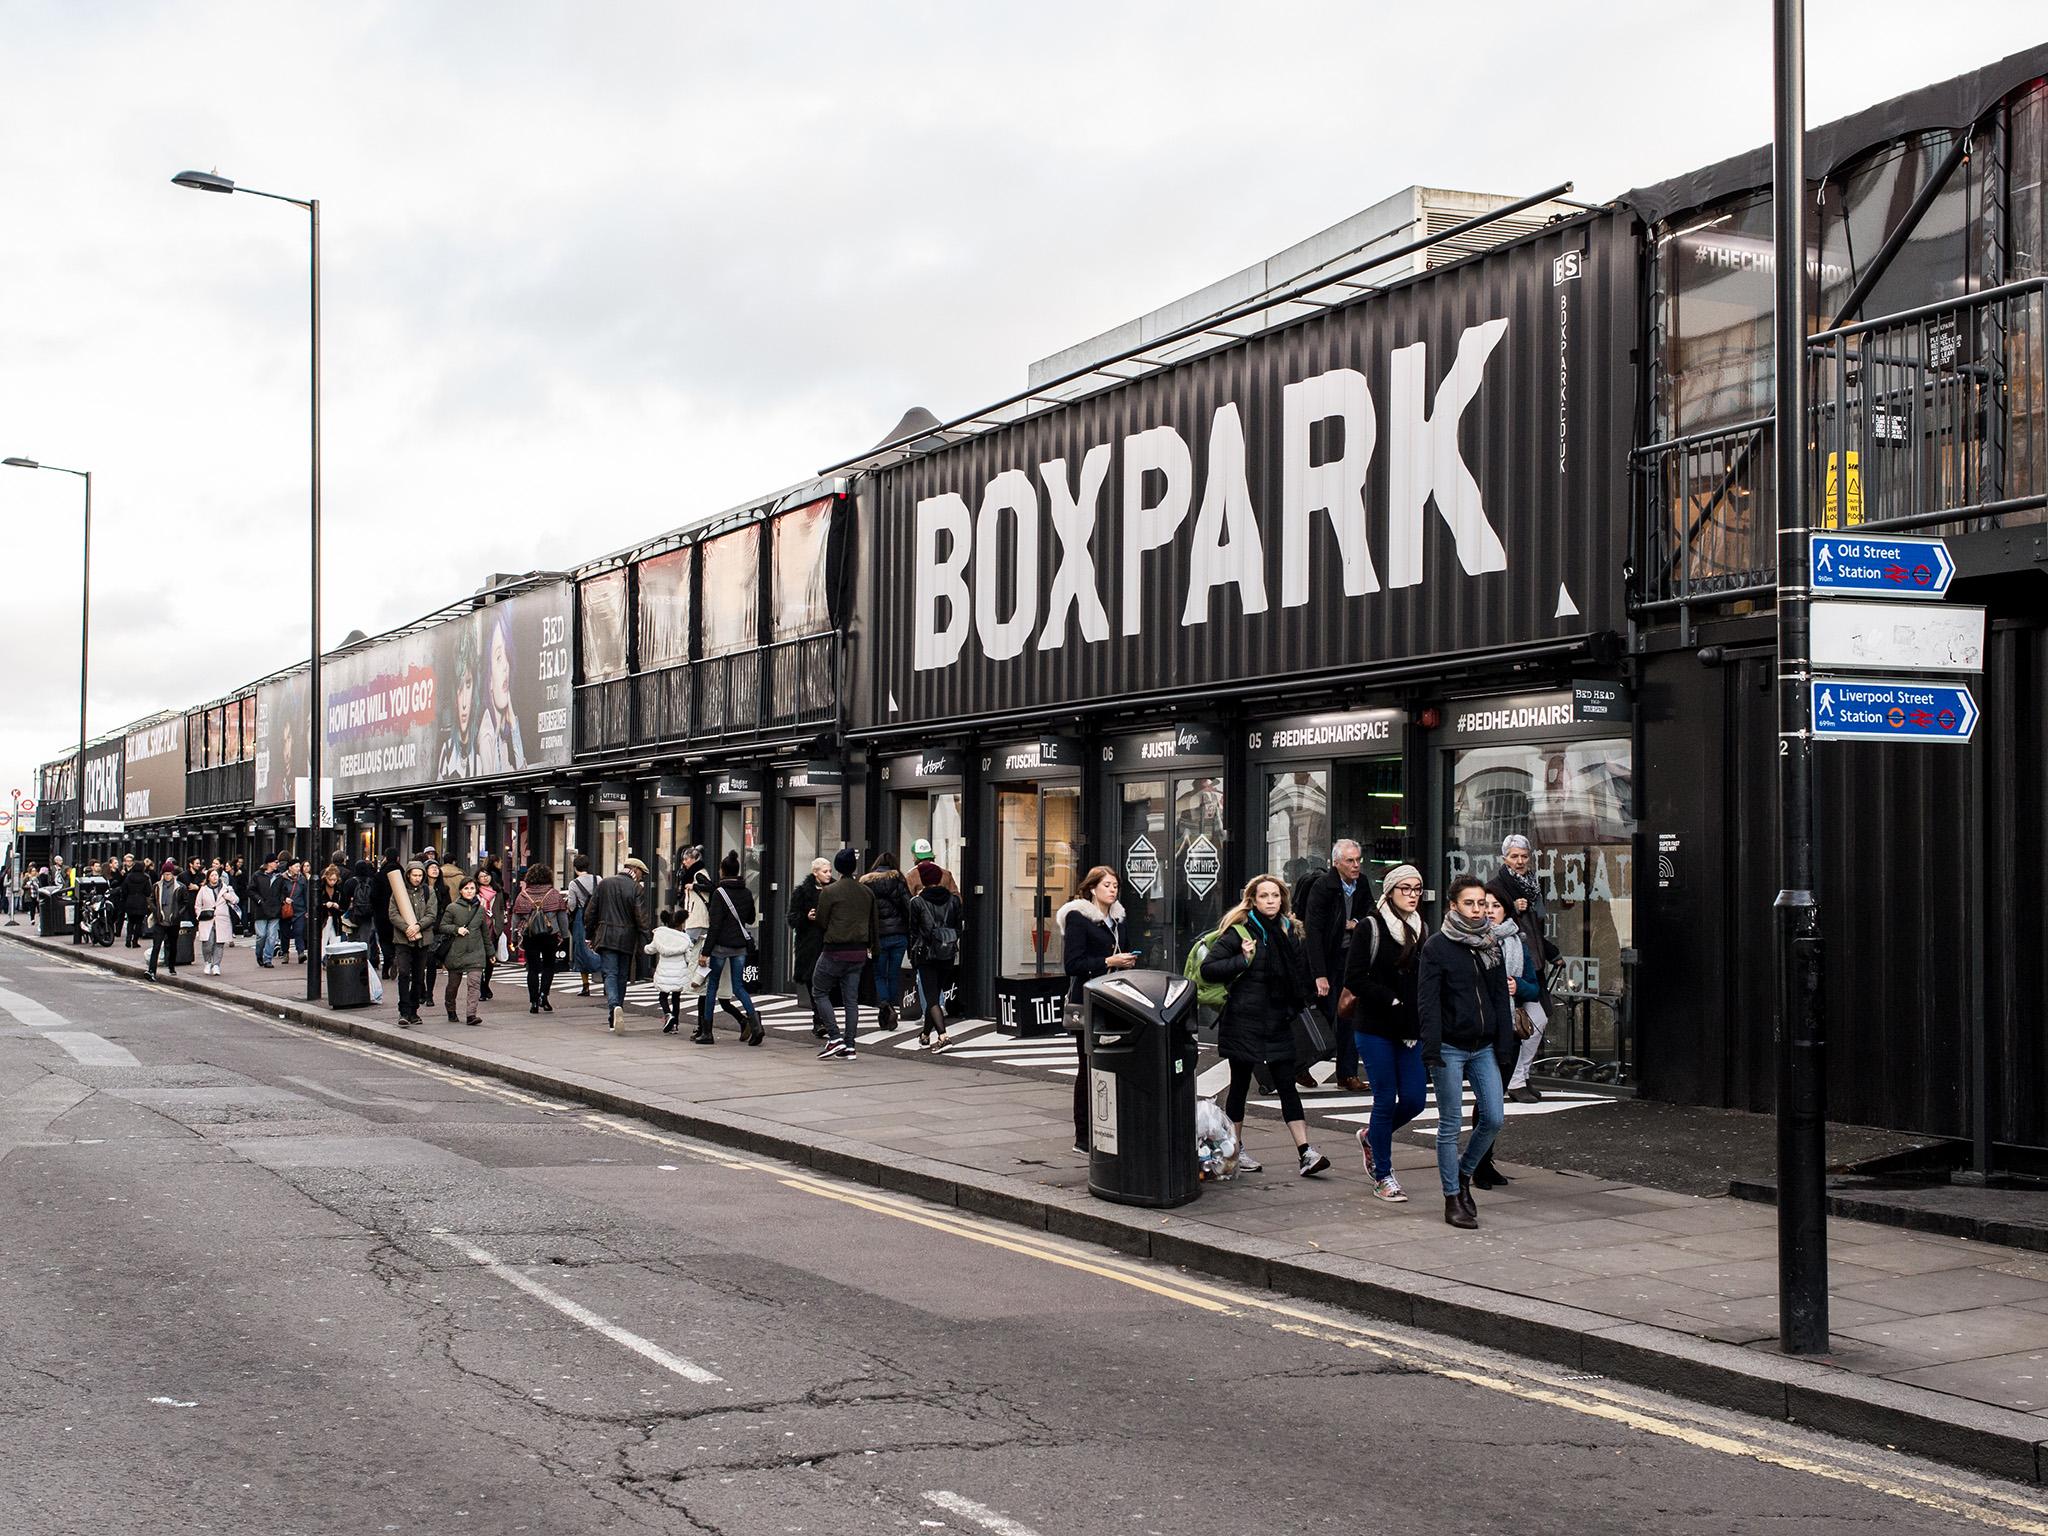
1944	567
1969	712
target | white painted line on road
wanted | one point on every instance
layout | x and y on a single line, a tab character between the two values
647	1349
988	1519
89	1050
170	1402
31	1012
336	1094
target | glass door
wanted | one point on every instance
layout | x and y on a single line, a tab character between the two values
739	831
558	848
1036	825
1144	865
936	817
1200	894
1309	809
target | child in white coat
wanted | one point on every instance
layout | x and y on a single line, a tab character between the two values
675	967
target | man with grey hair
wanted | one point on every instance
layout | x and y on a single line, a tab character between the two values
1520	892
1334	907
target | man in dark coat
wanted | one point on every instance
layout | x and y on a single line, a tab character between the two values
135	884
1335	904
618	929
265	902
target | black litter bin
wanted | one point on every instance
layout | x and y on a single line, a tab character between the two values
348	975
53	913
1140	1032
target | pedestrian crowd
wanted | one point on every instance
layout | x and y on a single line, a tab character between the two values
1294	976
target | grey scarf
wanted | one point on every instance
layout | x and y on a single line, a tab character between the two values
1476	934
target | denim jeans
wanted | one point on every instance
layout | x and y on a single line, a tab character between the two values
889	955
842	976
1400	1088
266	939
618	966
736	967
1482	1070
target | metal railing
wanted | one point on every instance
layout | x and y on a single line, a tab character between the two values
1930	419
749	693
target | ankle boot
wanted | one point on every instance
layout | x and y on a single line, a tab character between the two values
1456	1215
751	1030
703	1036
887	1019
1465	1202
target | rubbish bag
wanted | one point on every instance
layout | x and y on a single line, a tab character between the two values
376	985
1215	1142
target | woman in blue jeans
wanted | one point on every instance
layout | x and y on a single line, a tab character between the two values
1378	1005
1461	994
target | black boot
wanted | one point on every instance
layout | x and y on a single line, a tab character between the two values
1486	1176
887	1017
704	1035
1456	1215
751	1030
1465	1202
732	1009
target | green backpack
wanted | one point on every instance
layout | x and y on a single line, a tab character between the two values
1210	994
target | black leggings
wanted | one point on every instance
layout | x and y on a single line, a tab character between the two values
1241	1084
540	971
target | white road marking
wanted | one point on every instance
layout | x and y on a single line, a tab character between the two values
647	1349
988	1519
89	1050
171	1402
336	1094
31	1012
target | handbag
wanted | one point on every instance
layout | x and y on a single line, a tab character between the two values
1523	1028
1311	1036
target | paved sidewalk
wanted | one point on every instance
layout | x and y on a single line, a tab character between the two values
1941	1345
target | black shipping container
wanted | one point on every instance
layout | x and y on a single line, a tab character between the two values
1177	535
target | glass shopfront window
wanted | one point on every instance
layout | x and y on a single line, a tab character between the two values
739	829
1309	808
1575	801
936	816
613	842
1036	828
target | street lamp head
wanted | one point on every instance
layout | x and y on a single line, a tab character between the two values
21	463
203	181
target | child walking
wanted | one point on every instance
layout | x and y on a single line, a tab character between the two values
675	971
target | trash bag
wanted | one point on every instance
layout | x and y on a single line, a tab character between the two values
376	985
1215	1142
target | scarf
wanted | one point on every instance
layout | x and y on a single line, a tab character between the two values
1524	886
1476	934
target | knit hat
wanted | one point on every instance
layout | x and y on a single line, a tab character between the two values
930	873
1515	840
846	861
1396	876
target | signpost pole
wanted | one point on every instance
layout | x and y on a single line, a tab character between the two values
1801	1085
14	894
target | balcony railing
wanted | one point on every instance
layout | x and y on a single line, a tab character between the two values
741	695
1931	419
228	784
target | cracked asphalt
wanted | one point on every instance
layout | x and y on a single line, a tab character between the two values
239	1293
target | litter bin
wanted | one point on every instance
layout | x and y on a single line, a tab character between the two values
1140	1032
348	975
53	913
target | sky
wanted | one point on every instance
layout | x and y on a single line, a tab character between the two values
592	272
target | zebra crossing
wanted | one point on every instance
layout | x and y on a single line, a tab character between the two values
980	1043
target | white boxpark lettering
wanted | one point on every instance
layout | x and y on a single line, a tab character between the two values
1227	545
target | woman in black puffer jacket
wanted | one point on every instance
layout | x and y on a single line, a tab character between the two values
1258	954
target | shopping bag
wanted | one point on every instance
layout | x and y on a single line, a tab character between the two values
376	985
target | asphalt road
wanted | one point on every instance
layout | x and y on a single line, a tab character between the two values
258	1279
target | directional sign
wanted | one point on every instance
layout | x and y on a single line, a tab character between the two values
1891	709
1865	564
1889	637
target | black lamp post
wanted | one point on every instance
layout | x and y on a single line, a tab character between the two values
205	181
84	626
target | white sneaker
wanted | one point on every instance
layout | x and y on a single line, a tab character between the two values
1246	1163
1389	1189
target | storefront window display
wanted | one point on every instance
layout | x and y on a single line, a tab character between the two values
1036	827
1574	800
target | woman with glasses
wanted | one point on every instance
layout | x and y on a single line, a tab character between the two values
1378	1005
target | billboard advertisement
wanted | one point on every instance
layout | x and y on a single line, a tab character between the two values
103	785
153	783
483	696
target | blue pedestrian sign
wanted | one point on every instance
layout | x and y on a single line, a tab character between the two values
1868	565
1891	709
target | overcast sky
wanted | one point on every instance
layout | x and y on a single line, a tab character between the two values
595	271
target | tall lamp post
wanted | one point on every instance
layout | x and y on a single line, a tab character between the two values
205	181
84	628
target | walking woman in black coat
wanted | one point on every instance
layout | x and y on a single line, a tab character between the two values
1259	955
135	884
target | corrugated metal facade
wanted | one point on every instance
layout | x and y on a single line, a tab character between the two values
1544	432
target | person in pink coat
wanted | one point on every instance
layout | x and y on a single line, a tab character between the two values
216	909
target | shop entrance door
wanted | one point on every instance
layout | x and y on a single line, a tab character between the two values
1169	863
739	831
1311	806
1035	870
558	849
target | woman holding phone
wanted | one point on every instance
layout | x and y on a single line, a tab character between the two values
1092	941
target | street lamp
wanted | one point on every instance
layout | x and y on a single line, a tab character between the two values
206	181
84	630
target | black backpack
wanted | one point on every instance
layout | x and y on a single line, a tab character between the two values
1302	887
937	940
